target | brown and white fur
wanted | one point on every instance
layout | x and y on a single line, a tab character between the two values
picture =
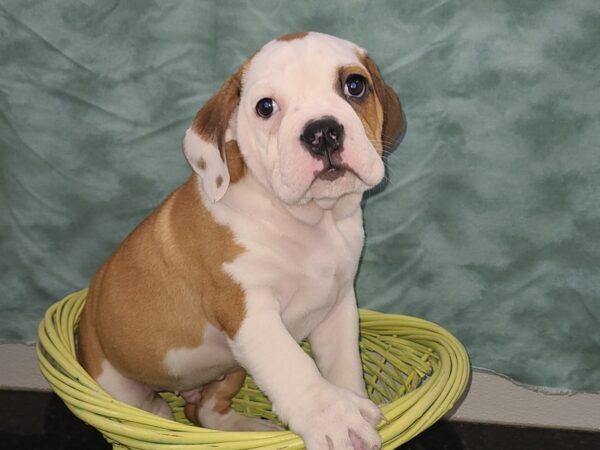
255	252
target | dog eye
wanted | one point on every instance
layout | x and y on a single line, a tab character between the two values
266	107
355	86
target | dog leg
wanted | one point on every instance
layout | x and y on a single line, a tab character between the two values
212	408
132	392
325	415
334	344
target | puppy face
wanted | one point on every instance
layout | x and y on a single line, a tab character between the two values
308	115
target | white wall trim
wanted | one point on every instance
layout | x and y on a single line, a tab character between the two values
491	398
19	368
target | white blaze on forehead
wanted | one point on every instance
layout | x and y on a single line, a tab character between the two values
306	63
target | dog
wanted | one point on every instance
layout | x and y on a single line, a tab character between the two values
257	251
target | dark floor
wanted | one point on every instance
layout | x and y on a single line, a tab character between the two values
35	420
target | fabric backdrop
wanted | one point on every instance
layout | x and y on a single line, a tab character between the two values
490	224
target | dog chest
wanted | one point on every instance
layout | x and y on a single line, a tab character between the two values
304	271
304	267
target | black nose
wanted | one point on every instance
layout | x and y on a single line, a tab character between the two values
323	136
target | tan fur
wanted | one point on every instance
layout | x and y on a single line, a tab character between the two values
368	109
292	36
222	392
212	120
172	262
235	162
393	118
169	261
165	282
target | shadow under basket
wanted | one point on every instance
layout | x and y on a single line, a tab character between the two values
415	370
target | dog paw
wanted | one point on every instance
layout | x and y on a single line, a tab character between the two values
331	418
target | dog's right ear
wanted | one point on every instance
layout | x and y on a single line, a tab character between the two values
209	144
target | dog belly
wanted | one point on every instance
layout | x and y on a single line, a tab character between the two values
195	367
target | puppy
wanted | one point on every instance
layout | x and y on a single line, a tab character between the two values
257	251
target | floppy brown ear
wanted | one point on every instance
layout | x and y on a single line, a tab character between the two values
394	124
209	144
213	120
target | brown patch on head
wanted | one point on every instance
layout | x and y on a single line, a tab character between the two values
201	164
160	289
235	161
213	119
219	181
368	108
393	118
292	36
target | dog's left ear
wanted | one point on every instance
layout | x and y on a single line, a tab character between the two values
209	144
394	123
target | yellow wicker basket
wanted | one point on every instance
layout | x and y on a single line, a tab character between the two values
414	369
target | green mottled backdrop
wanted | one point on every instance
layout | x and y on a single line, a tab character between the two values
490	224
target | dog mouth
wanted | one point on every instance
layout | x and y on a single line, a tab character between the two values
333	171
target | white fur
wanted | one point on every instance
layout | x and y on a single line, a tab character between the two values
194	367
302	239
132	392
195	149
301	77
297	276
333	344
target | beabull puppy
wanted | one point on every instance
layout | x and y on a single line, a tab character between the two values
257	251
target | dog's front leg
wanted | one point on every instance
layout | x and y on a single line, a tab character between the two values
325	415
334	343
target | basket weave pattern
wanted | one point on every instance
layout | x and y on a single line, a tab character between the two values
414	370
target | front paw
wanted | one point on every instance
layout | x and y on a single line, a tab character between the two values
332	418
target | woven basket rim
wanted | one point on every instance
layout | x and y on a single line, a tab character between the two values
128	427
